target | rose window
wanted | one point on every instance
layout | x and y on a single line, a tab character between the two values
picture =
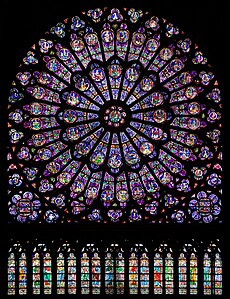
115	116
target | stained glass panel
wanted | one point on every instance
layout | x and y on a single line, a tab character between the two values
193	274
60	274
133	273
90	270
96	274
158	274
72	276
114	270
47	273
207	267
169	274
36	266
85	279
120	273
115	116
94	279
11	274
109	274
218	275
182	271
22	274
144	274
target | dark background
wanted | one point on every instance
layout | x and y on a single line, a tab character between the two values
22	23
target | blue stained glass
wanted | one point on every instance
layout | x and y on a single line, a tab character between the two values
109	111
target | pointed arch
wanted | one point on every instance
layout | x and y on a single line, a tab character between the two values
213	271
138	270
90	270
17	270
42	270
114	269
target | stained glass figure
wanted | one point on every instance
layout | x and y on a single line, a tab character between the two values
22	274
96	273
212	263
90	270
188	270
182	271
17	270
85	279
41	270
163	270
114	270
193	274
72	276
207	278
138	270
120	272
144	274
11	274
115	116
93	278
36	269
47	273
133	273
169	274
218	275
60	274
158	273
109	273
66	270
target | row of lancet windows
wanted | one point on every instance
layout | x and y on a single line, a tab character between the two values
116	271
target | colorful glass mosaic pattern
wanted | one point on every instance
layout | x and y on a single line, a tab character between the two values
115	116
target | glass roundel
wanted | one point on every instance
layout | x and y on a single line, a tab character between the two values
115	116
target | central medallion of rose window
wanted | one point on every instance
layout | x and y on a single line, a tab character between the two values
115	116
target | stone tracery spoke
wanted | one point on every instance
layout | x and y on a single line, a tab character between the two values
123	107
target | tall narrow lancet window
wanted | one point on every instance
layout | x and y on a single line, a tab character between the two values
218	274
11	273
212	269
36	269
120	271
138	270
182	272
144	273
22	265
96	272
60	272
169	273
47	272
66	270
17	270
163	270
133	272
207	276
72	276
193	273
188	270
158	272
109	272
114	270
90	270
42	270
85	272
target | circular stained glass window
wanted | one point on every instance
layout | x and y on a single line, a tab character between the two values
114	116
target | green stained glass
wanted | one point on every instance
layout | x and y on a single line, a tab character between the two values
193	274
169	274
